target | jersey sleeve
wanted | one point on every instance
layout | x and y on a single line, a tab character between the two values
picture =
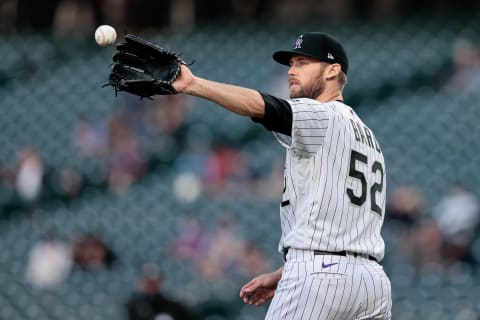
310	122
278	115
299	124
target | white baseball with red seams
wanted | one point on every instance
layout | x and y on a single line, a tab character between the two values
105	35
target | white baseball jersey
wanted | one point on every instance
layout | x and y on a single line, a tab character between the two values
334	194
333	201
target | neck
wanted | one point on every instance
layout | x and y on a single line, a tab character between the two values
330	95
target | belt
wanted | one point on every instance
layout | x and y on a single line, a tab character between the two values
335	253
344	254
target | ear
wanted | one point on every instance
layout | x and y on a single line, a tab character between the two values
333	70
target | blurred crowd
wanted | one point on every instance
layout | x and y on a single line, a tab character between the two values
80	16
217	250
463	74
443	235
52	258
139	137
150	302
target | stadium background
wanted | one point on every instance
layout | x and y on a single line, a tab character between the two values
182	184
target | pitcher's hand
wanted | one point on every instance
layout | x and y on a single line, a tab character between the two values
184	79
261	288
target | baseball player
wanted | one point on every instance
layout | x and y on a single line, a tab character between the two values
333	201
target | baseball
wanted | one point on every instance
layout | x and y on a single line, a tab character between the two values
105	35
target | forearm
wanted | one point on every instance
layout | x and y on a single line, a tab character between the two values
242	101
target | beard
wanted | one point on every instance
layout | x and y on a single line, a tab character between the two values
311	91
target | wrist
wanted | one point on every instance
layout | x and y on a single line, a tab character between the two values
192	87
278	274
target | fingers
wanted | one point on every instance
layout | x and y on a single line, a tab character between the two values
253	292
258	297
185	80
249	287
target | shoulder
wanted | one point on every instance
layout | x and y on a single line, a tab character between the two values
316	108
304	103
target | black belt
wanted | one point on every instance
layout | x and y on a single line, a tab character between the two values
344	254
334	253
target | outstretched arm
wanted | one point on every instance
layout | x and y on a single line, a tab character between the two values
242	101
261	288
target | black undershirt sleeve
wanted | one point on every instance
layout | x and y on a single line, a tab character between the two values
278	115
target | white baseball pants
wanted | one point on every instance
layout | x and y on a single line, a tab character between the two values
330	287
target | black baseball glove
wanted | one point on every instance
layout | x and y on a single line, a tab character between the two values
144	68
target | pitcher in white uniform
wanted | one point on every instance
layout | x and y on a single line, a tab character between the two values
333	204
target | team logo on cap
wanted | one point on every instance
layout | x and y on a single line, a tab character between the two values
298	43
330	56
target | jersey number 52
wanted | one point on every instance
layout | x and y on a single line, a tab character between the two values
374	188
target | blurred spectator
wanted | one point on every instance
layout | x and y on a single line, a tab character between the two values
457	216
92	253
405	207
49	262
220	251
82	16
428	240
8	10
74	17
112	12
126	160
192	160
224	246
465	74
150	303
182	13
166	114
116	146
223	166
416	237
62	184
253	260
191	237
7	176
187	187
90	138
70	182
29	174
